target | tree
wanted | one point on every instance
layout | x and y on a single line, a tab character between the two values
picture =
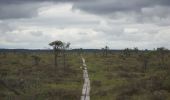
161	53
65	47
126	52
144	58
136	50
106	50
57	45
102	49
80	51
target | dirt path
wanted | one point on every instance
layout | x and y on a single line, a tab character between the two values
86	85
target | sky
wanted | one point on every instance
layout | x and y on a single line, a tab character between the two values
119	24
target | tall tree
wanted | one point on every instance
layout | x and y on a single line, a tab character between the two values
161	53
106	50
57	45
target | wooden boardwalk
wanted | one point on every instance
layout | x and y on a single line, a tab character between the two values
86	85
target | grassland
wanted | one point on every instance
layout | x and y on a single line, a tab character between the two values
122	78
21	79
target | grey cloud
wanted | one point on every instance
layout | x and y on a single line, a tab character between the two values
5	28
155	12
28	1
63	22
141	11
31	39
37	33
28	8
110	6
13	11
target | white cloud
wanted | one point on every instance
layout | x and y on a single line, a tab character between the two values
86	30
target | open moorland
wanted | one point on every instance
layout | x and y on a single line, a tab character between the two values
33	76
128	74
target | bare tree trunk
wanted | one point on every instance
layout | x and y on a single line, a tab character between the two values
55	57
64	56
106	52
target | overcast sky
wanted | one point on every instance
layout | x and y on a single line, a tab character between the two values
85	23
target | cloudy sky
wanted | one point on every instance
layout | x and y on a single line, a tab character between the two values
85	23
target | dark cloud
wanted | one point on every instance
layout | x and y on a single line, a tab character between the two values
33	1
28	8
140	11
110	6
12	11
15	9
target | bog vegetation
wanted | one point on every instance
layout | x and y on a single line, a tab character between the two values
41	75
128	74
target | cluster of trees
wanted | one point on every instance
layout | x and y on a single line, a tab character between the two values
105	51
59	47
144	56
